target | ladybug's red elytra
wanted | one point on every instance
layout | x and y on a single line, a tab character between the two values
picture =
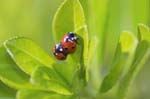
69	42
70	37
59	52
66	46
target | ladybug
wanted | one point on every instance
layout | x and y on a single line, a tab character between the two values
69	42
59	52
70	37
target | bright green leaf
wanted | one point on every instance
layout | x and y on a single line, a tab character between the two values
70	18
128	41
143	32
50	80
35	94
27	54
140	57
10	74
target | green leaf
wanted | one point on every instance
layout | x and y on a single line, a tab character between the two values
50	80
116	68
36	94
66	70
92	69
70	18
126	46
143	32
128	41
10	74
140	57
27	54
6	91
72	74
97	18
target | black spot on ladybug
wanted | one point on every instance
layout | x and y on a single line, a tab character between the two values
66	48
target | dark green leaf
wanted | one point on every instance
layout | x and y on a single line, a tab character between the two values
6	91
27	54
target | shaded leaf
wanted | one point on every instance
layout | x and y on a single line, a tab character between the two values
27	54
140	57
116	68
6	92
125	48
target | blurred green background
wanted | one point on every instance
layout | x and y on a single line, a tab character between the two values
33	19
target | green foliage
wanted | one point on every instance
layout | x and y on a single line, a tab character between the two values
27	68
6	92
34	94
143	32
10	73
72	15
97	17
49	80
140	56
20	46
122	55
72	20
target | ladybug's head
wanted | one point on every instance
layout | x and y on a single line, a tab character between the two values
72	36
